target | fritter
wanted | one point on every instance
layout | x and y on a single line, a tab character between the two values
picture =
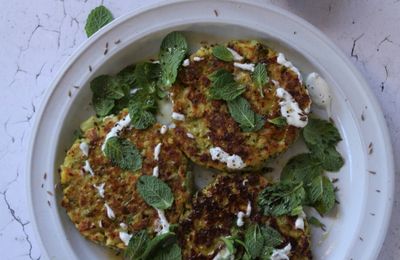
216	213
101	199
206	131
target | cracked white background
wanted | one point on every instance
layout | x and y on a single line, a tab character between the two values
37	37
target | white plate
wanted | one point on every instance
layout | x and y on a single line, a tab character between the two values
359	226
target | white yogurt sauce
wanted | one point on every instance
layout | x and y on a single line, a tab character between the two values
232	161
319	90
88	168
110	212
236	56
121	124
290	109
157	151
163	225
100	189
244	66
178	116
84	148
198	58
163	129
299	224
282	60
190	135
241	215
123	225
100	224
155	171
224	254
171	126
134	90
186	63
125	237
281	254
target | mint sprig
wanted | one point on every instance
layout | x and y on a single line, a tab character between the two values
254	240
123	153
172	52
163	246
98	17
222	53
282	198
278	121
260	77
155	192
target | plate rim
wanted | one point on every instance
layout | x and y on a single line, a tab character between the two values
82	48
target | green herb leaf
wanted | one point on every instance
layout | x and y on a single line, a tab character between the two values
98	17
172	52
254	240
266	253
302	168
172	252
283	198
159	244
146	75
222	53
137	244
320	134
102	106
327	200
155	192
127	76
314	190
224	87
316	222
229	243
260	77
259	122
123	153
107	86
272	238
140	118
331	160
278	121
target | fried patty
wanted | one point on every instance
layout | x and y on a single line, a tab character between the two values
208	123
215	214
83	201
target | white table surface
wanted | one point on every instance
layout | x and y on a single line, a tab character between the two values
37	37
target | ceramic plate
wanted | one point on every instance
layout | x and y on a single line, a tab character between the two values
358	227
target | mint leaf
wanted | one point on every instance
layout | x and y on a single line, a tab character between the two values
158	244
155	192
102	106
137	244
222	53
259	122
320	134
301	168
229	243
266	253
272	237
282	198
315	190
172	252
98	17
331	160
127	75
224	87
172	51
278	121
146	75
123	153
260	77
140	117
254	240
107	86
327	200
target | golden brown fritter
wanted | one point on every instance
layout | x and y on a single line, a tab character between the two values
214	215
83	201
210	122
